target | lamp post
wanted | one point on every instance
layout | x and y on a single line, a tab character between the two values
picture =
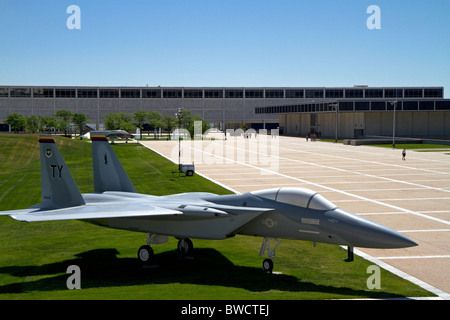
178	116
394	104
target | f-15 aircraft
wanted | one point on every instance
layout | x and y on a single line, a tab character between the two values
281	213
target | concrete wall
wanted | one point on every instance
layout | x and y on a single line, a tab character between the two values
326	124
408	123
300	124
295	124
349	122
439	123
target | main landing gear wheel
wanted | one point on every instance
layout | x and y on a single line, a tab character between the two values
268	265
185	246
145	254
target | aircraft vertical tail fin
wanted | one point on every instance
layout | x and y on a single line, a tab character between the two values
59	190
109	174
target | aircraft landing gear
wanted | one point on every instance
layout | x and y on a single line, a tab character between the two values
268	263
185	246
145	254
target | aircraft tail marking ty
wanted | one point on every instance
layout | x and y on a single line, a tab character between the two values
59	190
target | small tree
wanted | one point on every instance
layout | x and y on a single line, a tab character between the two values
112	121
124	118
155	121
170	122
63	120
128	127
32	123
185	119
115	121
141	118
80	120
16	121
46	123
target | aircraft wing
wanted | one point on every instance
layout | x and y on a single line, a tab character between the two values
87	212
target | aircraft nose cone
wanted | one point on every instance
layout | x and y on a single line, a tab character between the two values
384	237
361	232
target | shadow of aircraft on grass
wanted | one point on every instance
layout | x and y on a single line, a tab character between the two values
102	268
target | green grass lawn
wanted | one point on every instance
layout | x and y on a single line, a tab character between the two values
34	256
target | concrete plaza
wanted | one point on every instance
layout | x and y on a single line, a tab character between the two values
411	196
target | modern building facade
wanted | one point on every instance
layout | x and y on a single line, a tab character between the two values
359	110
232	107
363	111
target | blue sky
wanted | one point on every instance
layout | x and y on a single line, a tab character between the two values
225	43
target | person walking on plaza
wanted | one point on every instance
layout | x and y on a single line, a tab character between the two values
404	154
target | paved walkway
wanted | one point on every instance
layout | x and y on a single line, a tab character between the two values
411	196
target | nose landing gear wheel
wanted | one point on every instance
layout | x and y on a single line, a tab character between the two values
266	246
268	265
145	254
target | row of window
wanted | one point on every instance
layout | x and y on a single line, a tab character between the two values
307	107
408	105
221	93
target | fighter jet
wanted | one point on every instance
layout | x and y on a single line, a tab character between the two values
273	214
113	135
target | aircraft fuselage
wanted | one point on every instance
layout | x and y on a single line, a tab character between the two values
202	220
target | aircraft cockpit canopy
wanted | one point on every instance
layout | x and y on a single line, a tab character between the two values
298	197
